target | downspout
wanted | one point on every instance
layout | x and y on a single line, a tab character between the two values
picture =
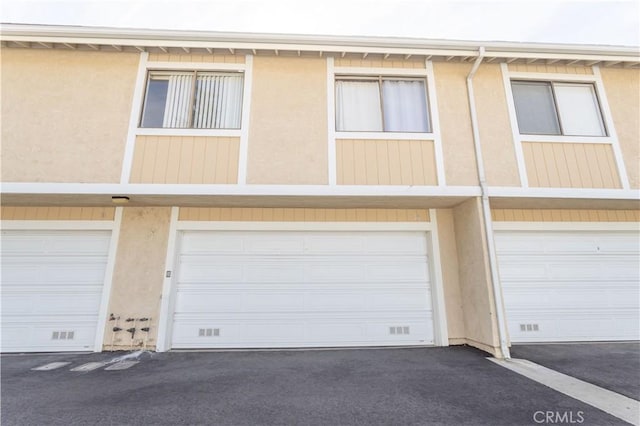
486	210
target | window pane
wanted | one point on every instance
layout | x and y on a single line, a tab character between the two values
178	107
154	103
579	111
405	106
535	109
218	103
358	106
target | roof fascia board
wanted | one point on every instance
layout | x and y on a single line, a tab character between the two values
150	38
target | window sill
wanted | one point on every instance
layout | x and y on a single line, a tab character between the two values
385	135
189	132
566	139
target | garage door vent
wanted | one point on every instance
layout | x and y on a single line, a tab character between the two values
529	327
62	335
399	330
208	332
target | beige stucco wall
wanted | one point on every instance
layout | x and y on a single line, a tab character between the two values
61	108
496	138
139	273
450	277
455	124
288	129
475	280
622	87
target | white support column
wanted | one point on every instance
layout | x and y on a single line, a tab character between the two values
134	117
331	120
163	342
437	284
246	117
435	123
108	280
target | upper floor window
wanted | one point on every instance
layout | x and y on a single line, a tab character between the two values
381	104
193	100
553	108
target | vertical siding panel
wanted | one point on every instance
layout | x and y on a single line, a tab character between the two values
541	165
395	168
351	215
572	165
552	169
278	214
612	166
149	159
392	215
340	215
381	215
518	215
138	157
430	166
360	165
321	215
197	165
417	164
556	215
567	215
206	214
234	156
8	213
382	160
309	215
267	215
186	156
509	216
29	213
562	165
288	215
162	157
602	154
361	215
173	162
348	163
537	215
402	216
257	214
583	166
584	215
613	215
222	161
339	163
594	167
371	163
530	164
406	173
497	215
210	161
246	214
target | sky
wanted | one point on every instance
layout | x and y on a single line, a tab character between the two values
604	22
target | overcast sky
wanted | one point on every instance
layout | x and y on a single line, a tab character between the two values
560	21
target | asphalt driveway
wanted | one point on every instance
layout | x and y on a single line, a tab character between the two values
613	366
451	386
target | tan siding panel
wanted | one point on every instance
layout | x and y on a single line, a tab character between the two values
555	68
570	165
564	215
302	215
57	213
185	159
385	162
220	59
378	63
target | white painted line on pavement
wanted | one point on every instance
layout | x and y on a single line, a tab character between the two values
90	366
610	402
50	366
122	365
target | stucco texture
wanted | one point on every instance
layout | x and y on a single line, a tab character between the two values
478	303
622	87
65	114
455	123
288	129
139	273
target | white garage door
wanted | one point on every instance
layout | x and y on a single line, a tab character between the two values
294	289
570	286
51	289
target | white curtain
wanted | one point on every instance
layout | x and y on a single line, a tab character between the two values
218	103
405	106
177	108
578	109
358	106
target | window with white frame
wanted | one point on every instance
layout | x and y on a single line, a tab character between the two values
192	100
381	104
557	108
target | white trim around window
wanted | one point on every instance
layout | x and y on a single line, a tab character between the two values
134	130
432	109
518	138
